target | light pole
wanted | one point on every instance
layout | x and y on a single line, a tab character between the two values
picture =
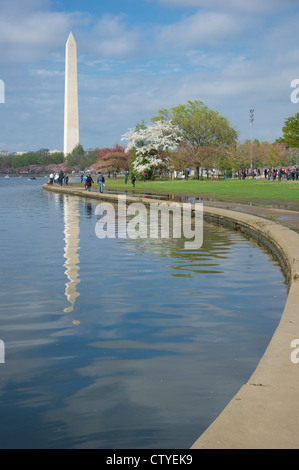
251	119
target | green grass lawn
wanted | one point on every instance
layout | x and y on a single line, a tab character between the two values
238	190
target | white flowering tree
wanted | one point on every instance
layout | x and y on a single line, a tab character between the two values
151	145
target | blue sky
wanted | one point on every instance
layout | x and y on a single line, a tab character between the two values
137	56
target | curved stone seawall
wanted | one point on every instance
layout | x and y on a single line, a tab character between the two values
264	413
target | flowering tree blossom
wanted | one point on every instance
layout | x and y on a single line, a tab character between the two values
151	145
112	159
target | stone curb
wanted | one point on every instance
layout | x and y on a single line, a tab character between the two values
264	412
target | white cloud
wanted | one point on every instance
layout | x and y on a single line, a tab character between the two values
30	32
111	38
198	30
34	30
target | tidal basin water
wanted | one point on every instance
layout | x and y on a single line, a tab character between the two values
121	343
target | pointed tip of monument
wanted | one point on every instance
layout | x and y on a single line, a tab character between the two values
71	37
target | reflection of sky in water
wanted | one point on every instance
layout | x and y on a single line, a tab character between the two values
162	338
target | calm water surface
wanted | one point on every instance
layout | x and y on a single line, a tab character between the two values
120	343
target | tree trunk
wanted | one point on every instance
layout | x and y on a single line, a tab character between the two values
196	174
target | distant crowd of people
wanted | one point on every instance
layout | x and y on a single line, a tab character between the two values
288	174
274	174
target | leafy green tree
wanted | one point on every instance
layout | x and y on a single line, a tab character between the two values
238	158
56	158
78	150
200	126
293	157
290	132
88	159
73	158
6	163
275	155
26	159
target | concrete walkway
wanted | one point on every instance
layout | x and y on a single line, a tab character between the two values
287	217
264	414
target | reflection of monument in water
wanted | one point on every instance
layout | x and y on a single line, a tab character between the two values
71	238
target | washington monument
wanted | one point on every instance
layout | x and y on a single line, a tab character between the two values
71	115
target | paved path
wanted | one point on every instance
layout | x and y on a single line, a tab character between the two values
289	218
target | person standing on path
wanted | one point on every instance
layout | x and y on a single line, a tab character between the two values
60	178
133	179
89	182
101	181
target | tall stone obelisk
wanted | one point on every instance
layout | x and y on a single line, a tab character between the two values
71	114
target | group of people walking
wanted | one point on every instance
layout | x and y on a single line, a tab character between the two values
88	181
133	178
58	178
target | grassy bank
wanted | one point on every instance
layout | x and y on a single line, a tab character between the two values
238	190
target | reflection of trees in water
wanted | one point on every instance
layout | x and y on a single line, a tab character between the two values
217	242
203	260
207	259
